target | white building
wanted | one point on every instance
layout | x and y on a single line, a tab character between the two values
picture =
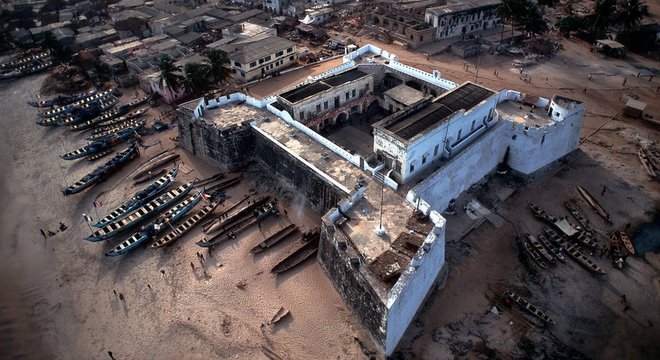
317	16
261	56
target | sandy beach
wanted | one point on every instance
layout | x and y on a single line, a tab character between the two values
58	299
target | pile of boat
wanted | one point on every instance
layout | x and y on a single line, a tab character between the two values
26	65
561	236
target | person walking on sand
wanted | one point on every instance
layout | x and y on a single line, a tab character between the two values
114	292
602	193
192	266
43	233
110	354
121	297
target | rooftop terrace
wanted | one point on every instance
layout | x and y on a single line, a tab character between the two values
228	115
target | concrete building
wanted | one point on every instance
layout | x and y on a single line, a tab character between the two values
400	97
317	16
246	30
329	101
383	264
462	17
400	21
261	56
411	139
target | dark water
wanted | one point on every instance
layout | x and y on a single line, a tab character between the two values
648	237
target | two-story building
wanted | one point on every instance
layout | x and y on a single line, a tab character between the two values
461	17
411	139
261	56
330	100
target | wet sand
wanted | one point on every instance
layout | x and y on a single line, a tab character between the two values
58	299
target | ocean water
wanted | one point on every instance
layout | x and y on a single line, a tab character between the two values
648	237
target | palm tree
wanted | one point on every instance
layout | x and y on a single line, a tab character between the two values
532	21
629	14
103	72
168	73
602	17
49	41
196	78
216	61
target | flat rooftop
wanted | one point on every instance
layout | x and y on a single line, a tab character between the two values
304	91
404	94
523	114
316	87
464	97
228	115
344	77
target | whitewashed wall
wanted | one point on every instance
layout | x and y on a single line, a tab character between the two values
409	292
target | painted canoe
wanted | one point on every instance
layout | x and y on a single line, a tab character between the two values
110	124
88	111
581	219
106	115
135	124
298	256
186	226
143	173
163	222
556	251
102	172
70	107
62	100
142	214
139	198
99	145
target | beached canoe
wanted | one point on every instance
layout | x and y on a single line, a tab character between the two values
298	256
186	226
61	100
142	214
100	145
102	172
163	222
274	239
529	307
139	198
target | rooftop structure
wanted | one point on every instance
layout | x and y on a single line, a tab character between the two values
261	56
464	97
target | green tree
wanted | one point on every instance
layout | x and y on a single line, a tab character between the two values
48	41
602	17
569	23
216	61
629	14
169	76
531	21
196	78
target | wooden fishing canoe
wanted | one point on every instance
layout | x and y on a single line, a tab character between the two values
627	243
529	307
298	256
186	226
142	214
275	238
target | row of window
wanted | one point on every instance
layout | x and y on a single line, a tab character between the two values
269	57
349	95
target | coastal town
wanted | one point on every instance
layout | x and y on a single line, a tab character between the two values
275	179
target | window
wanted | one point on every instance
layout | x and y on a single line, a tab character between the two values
261	61
267	58
474	121
435	151
242	74
318	107
367	87
291	58
325	105
347	95
237	64
302	115
412	166
336	102
289	50
253	64
279	53
353	94
458	137
424	159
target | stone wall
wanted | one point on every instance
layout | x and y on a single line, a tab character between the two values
319	193
335	254
228	148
